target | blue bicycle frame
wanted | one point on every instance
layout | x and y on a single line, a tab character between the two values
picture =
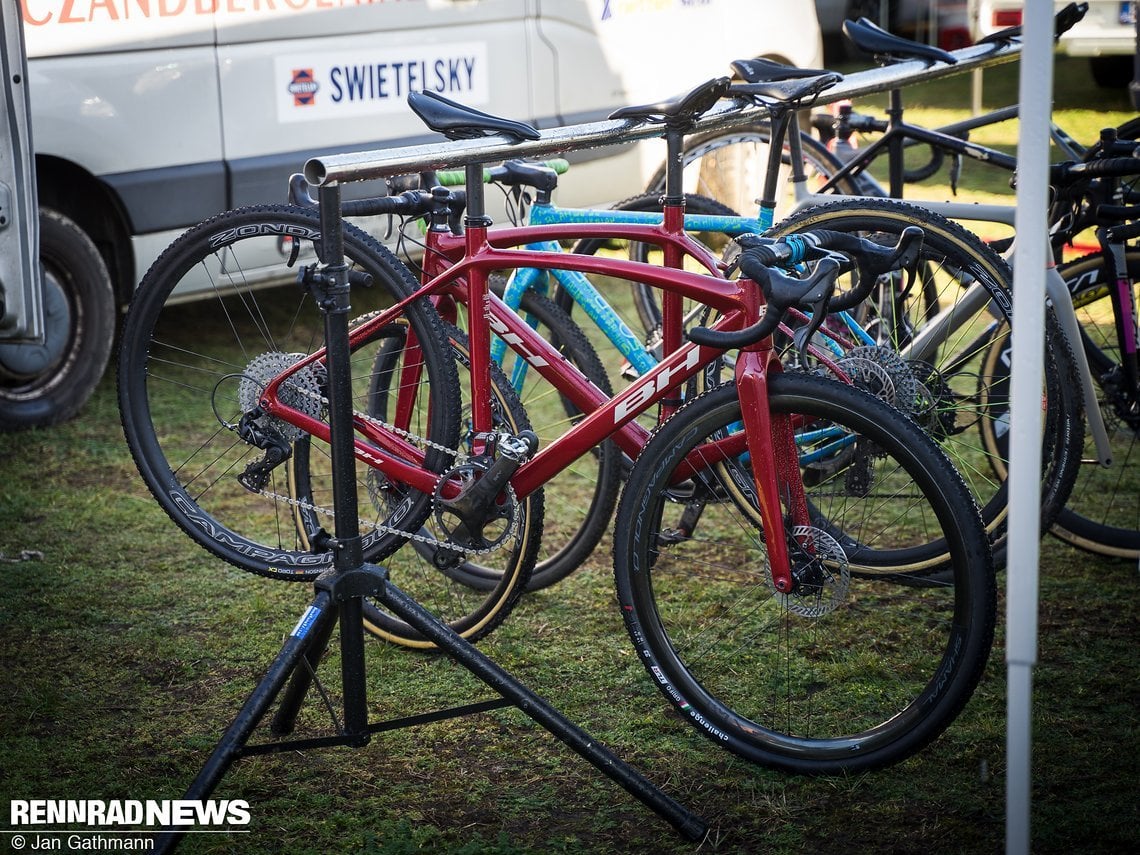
583	292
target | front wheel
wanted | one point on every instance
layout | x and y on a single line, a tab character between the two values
953	387
852	670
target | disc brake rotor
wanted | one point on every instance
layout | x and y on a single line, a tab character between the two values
821	576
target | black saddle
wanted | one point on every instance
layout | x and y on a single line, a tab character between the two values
788	92
766	70
887	47
680	112
458	122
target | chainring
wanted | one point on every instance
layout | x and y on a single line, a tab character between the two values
497	529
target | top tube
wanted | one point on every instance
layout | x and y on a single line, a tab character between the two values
543	215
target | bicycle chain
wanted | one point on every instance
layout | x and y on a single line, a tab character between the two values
418	538
458	457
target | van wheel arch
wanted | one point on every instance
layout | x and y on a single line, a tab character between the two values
69	189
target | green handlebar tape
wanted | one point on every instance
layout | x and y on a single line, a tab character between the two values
456	177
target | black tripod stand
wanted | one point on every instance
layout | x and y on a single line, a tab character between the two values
338	601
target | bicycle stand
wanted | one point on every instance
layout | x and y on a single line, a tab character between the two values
338	600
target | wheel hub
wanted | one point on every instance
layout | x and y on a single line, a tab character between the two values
301	391
819	573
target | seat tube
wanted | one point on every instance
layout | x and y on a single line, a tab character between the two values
476	224
895	162
672	307
761	438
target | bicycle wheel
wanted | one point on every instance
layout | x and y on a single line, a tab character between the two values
584	493
190	371
730	166
1103	511
948	385
51	382
428	568
849	672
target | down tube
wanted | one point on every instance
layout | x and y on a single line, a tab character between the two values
614	418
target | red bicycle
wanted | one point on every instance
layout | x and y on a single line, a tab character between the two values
802	571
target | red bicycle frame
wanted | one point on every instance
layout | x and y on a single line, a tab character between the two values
456	269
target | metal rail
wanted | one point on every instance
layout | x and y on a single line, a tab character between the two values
381	163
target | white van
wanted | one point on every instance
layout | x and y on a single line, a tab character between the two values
151	115
1106	34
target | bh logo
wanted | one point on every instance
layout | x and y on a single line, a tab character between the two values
303	87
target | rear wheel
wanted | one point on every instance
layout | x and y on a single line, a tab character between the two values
645	316
951	382
1103	511
192	374
583	495
645	298
730	167
472	591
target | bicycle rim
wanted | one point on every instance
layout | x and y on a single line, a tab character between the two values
435	574
947	387
730	166
851	672
190	371
1102	514
584	493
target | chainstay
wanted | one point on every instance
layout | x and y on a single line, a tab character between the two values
458	457
511	537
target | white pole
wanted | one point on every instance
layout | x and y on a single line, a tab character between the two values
1030	258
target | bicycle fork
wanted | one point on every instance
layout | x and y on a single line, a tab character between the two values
775	463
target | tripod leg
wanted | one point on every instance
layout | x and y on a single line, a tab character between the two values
314	623
294	694
689	824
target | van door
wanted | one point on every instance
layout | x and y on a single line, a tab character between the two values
21	298
314	76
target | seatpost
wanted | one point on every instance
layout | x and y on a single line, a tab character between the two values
672	306
780	119
895	144
674	166
799	174
476	207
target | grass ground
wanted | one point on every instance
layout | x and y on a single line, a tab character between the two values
125	651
